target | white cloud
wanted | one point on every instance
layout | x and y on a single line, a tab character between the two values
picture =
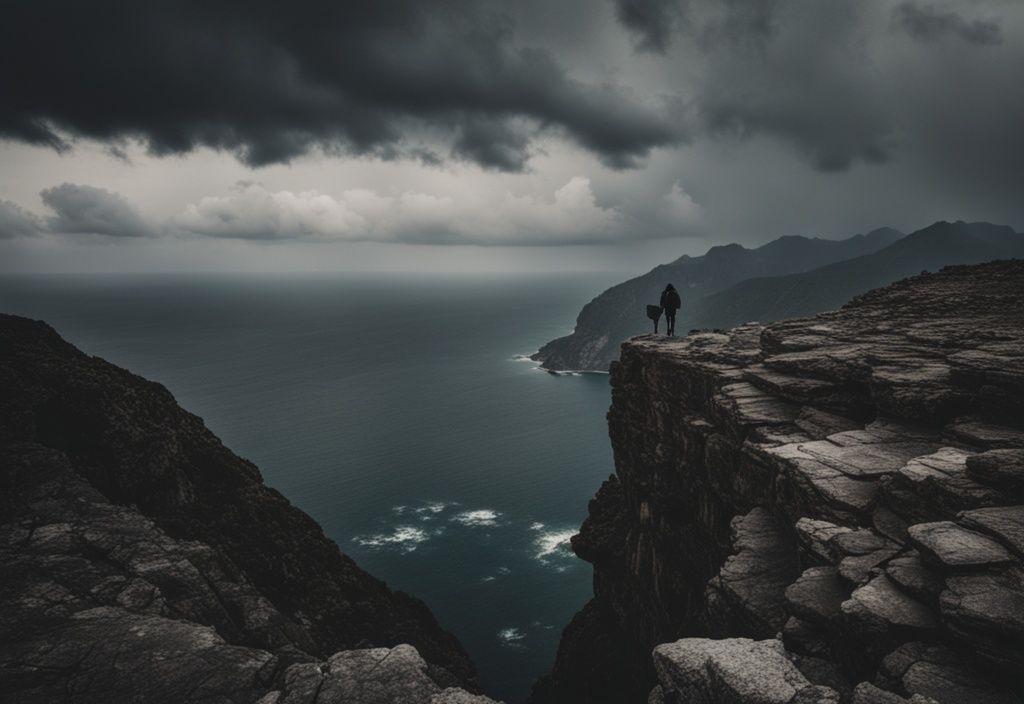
570	215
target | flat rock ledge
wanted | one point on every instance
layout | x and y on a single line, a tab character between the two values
850	489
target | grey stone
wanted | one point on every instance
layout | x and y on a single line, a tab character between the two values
861	460
915	578
804	637
815	536
951	547
856	569
879	606
703	671
817	595
1004	523
886	522
867	693
823	672
986	611
752	581
1003	469
934	671
987	435
939	486
859	542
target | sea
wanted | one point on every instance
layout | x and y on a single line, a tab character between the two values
398	411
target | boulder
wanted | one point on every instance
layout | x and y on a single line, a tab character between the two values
734	671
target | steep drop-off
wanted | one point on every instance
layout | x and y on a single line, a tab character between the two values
141	560
850	483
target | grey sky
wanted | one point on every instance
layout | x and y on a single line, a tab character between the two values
598	134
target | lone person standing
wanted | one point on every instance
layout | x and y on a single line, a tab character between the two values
670	303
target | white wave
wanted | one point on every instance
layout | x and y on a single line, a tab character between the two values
536	525
402	538
432	507
512	637
500	572
480	517
554	544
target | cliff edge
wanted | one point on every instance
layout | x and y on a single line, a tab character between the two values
817	510
142	561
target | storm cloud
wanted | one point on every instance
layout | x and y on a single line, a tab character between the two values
15	221
79	209
926	22
652	22
269	81
468	122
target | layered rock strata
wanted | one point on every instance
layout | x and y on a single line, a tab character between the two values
142	561
823	509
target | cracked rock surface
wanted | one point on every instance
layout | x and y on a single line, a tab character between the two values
846	489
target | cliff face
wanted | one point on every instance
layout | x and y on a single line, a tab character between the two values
141	560
851	482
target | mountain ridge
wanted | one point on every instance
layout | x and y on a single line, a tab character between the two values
611	316
739	296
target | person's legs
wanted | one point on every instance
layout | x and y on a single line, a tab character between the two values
670	321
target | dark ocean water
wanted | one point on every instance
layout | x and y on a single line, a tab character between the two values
392	410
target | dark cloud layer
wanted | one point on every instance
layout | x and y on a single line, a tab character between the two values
926	22
15	221
269	80
81	209
652	22
832	81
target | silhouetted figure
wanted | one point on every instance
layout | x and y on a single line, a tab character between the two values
670	303
654	313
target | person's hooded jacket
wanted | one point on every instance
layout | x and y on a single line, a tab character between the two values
670	300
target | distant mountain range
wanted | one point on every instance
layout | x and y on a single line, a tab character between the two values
788	277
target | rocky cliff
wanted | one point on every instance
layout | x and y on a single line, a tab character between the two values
817	510
142	561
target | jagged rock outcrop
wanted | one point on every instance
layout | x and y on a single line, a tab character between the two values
140	560
822	509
